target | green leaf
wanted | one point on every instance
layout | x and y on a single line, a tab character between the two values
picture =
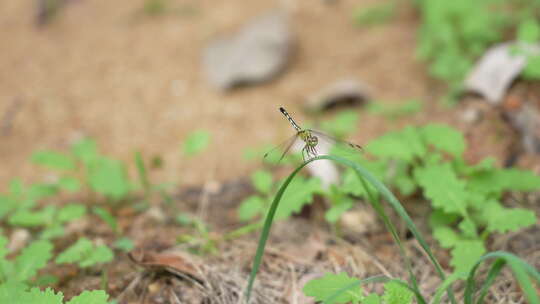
443	188
372	298
299	193
465	254
124	244
352	185
447	237
39	191
53	160
85	150
528	31
532	68
13	292
3	247
394	293
90	297
329	284
70	212
7	204
75	252
108	177
45	280
69	183
444	138
468	227
502	220
47	296
107	217
498	180
28	218
54	231
196	142
16	187
32	258
100	254
85	254
262	181
344	123
403	145
333	214
251	207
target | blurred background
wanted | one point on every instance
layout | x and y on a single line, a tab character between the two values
183	97
131	75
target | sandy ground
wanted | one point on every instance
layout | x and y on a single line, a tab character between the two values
136	83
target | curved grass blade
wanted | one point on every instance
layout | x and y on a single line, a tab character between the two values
375	203
521	271
447	283
376	184
336	140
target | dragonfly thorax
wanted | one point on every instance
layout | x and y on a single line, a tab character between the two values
308	138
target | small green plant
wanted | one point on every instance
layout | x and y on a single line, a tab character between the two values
466	200
50	219
203	242
107	217
473	293
455	33
529	34
85	166
15	292
25	266
329	285
85	254
196	142
342	124
125	244
300	193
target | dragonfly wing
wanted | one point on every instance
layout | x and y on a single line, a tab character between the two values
286	146
336	140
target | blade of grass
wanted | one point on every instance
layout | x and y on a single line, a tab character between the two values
375	203
521	271
141	169
444	286
378	186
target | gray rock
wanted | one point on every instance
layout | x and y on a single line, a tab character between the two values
496	70
344	92
526	119
257	53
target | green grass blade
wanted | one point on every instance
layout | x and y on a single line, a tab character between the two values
141	169
445	285
266	230
390	198
522	272
375	203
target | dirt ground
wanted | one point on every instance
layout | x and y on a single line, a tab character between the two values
133	82
136	83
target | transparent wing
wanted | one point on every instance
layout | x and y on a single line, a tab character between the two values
282	148
334	140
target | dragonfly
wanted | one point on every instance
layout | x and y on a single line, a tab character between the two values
310	139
